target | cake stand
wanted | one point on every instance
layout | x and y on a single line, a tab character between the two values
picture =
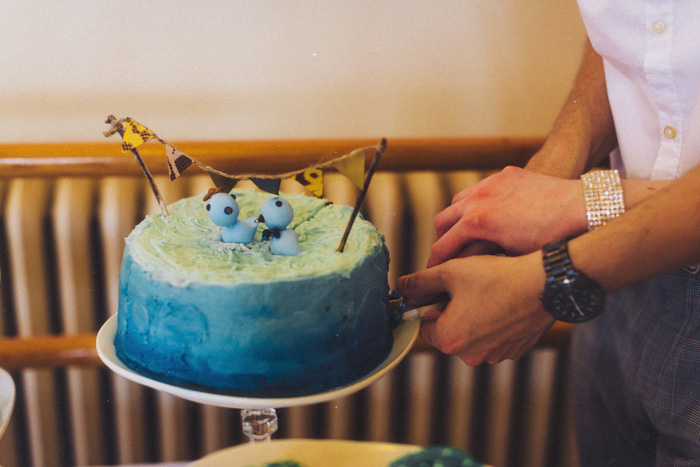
259	417
7	399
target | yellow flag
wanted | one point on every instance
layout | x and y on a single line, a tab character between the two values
135	135
312	179
353	167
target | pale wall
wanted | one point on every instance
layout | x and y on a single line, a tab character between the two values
295	69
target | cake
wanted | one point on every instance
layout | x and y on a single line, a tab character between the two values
236	319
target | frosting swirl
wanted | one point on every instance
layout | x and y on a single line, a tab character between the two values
186	246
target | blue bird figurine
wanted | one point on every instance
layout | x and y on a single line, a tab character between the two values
223	210
277	214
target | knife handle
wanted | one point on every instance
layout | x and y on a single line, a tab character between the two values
439	298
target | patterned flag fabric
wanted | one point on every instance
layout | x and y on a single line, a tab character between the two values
312	180
178	161
135	135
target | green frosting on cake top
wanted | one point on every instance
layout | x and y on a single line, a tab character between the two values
186	246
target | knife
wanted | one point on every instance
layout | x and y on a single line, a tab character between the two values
399	307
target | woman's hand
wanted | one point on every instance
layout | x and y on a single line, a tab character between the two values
516	209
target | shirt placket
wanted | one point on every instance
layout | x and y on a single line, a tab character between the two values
659	75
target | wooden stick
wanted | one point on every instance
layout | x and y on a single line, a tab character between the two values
361	197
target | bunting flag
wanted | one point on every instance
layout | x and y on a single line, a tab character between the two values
352	166
270	185
224	182
312	180
378	153
178	161
135	135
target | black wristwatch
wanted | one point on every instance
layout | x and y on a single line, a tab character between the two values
569	295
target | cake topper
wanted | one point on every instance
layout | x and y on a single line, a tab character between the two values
363	191
133	135
223	210
352	165
276	213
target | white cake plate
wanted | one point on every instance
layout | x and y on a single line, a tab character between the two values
7	399
404	337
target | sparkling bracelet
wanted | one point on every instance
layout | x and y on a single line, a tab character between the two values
602	192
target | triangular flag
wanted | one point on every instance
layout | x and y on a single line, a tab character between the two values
312	179
353	167
270	185
135	135
222	181
178	161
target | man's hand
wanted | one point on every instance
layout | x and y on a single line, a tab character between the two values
494	311
518	210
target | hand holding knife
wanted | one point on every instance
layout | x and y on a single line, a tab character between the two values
398	305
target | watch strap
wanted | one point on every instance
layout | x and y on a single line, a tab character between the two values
557	264
569	295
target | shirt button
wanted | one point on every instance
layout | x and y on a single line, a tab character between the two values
658	26
670	132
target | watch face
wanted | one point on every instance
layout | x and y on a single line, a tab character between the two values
579	300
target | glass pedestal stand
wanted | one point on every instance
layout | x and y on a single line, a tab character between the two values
259	424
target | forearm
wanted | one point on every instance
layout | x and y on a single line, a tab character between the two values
584	133
660	234
636	191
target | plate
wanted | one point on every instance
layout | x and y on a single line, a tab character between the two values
404	337
7	399
309	453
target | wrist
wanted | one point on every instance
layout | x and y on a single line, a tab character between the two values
559	157
576	211
532	277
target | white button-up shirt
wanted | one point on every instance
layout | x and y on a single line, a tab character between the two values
651	54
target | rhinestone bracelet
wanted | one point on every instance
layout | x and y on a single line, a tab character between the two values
602	192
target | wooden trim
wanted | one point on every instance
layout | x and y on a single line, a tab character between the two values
558	337
80	349
264	157
48	351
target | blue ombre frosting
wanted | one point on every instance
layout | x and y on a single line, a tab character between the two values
194	312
